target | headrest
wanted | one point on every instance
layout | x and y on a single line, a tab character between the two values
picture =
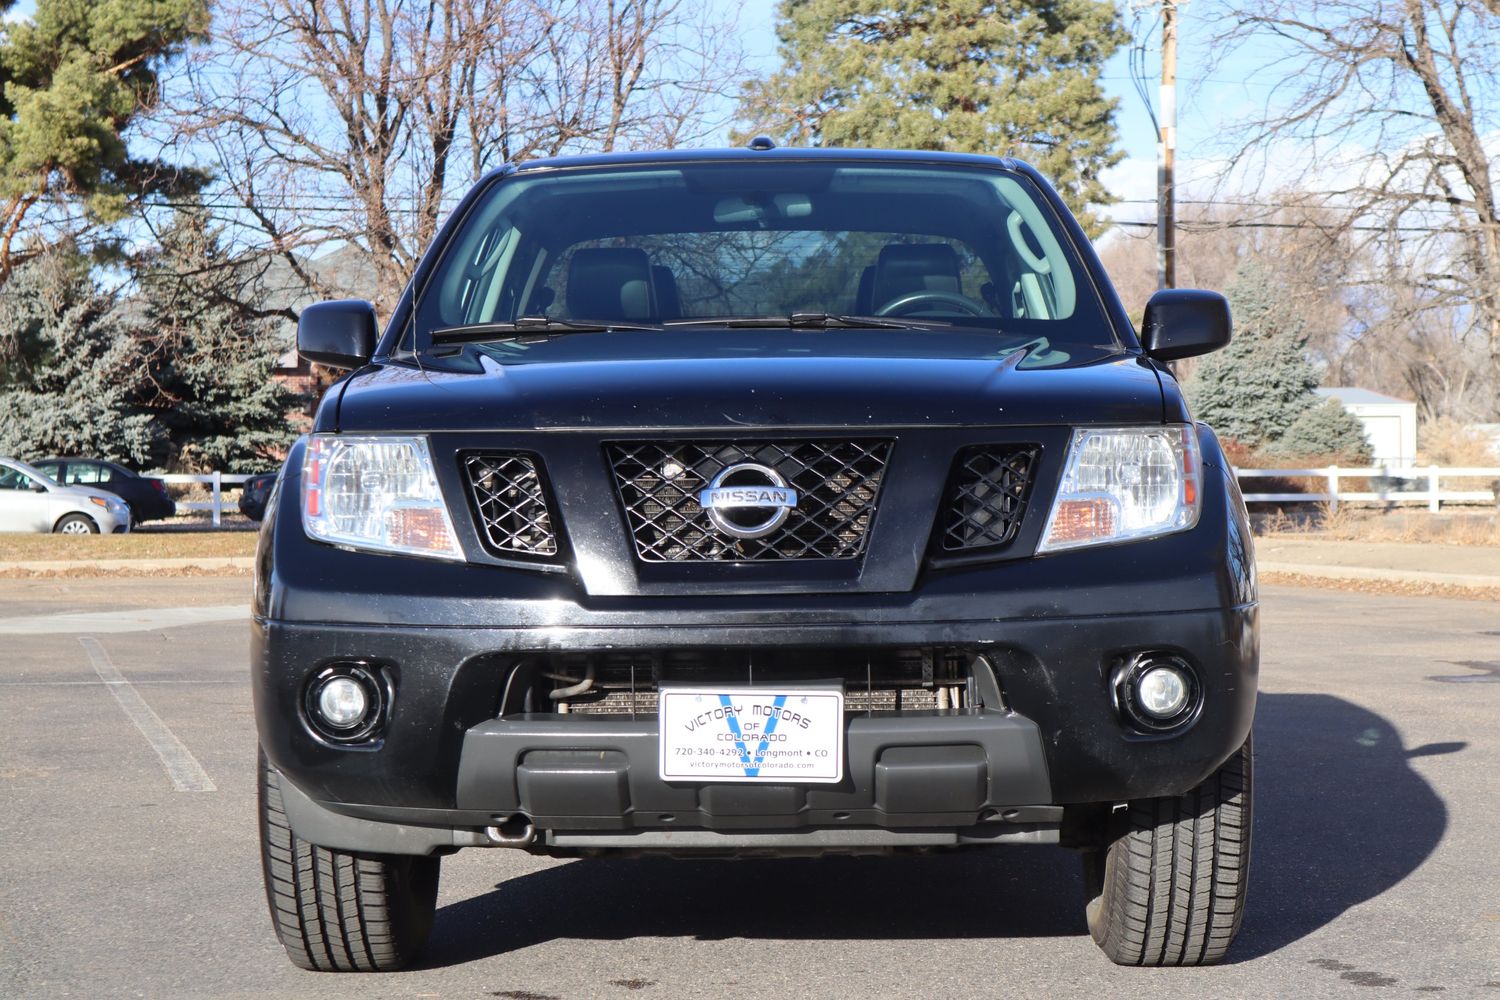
610	283
903	268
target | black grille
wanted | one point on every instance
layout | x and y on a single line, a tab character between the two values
838	484
511	505
987	496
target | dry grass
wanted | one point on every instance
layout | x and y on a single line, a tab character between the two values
143	545
1404	588
85	571
1348	523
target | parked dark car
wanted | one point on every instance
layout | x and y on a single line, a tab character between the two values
756	502
148	498
254	493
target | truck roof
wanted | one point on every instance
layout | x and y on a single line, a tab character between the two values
745	154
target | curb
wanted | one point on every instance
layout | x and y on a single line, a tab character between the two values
1391	575
129	565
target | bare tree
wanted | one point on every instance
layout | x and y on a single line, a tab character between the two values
1367	323
1392	100
1302	248
355	124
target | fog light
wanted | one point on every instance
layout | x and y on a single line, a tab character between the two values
1162	692
342	703
1157	693
347	702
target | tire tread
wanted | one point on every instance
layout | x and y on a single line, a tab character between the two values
336	911
1171	886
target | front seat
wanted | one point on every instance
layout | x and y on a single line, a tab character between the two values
611	283
904	268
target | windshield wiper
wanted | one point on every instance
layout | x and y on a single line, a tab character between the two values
797	321
540	327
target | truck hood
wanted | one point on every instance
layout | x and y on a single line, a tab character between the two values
810	391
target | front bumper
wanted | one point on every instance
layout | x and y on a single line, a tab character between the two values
446	761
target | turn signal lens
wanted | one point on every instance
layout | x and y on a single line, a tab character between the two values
376	492
1125	483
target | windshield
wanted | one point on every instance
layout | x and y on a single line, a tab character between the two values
956	261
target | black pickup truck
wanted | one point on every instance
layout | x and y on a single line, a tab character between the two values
748	502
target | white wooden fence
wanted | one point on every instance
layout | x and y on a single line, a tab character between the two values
216	480
1390	481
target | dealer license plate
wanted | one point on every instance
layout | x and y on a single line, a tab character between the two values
792	735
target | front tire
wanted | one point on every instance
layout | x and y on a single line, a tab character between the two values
75	524
1170	887
336	911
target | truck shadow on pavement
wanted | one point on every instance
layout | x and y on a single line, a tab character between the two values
1341	817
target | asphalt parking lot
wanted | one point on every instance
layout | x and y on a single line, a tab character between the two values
129	866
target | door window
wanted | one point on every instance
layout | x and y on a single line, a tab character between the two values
14	479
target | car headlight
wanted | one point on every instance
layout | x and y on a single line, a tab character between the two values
375	492
1125	483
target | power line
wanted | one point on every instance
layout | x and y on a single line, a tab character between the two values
1249	204
1207	226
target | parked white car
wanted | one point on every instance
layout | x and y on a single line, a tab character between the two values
31	501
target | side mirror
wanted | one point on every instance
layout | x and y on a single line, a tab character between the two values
1184	323
339	334
38	488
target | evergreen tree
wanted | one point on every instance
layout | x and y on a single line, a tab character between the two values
207	365
70	377
1007	77
1326	431
1257	387
73	78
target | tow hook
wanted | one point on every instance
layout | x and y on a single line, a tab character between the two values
513	831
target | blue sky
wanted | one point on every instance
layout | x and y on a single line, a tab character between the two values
1206	100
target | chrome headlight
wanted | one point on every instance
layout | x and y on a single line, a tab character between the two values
1125	483
375	492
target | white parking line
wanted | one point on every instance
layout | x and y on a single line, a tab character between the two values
182	767
142	620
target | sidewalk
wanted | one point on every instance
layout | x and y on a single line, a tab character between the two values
1399	562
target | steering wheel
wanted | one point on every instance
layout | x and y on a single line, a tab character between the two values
914	302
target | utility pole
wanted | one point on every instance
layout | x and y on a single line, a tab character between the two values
1166	153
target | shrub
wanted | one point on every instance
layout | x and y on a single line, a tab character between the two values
1446	441
1326	430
